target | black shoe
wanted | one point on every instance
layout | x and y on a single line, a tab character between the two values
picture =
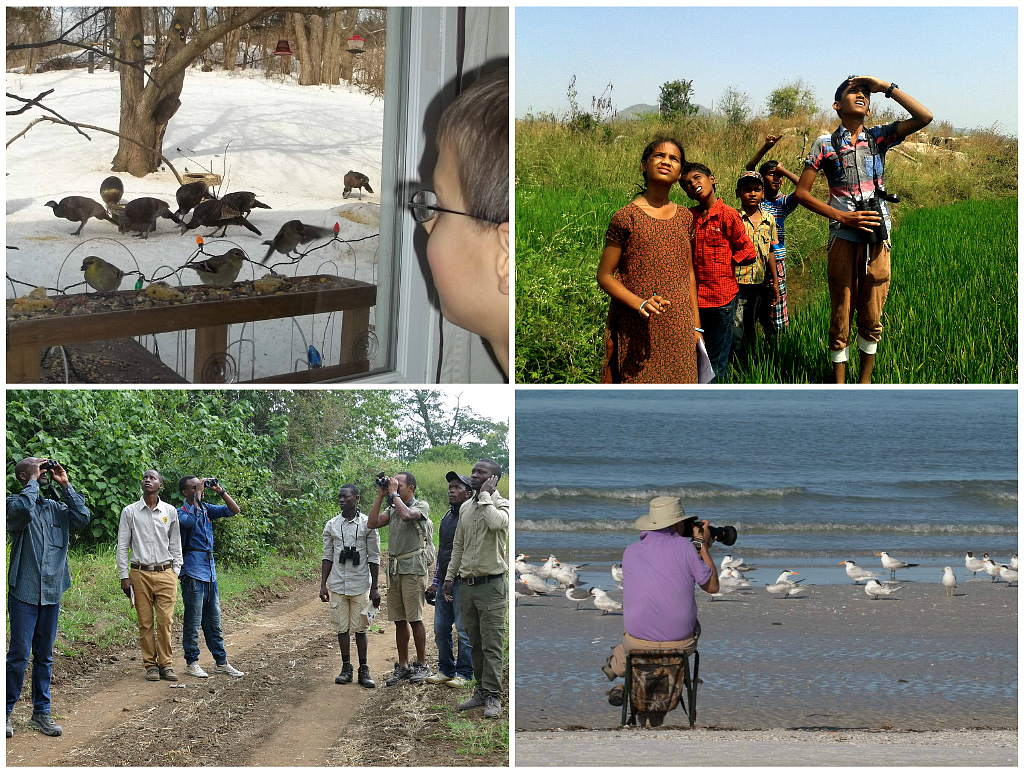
400	674
345	676
44	723
420	672
10	728
364	677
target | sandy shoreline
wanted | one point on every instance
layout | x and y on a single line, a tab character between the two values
834	660
704	747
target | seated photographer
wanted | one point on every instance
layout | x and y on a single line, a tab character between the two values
39	530
410	548
658	575
199	575
348	579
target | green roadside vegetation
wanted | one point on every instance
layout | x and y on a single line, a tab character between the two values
572	176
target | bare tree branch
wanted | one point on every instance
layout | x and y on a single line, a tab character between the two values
28	102
36	103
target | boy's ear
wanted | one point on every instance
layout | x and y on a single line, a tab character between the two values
503	259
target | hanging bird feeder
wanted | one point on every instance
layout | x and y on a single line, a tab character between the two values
282	49
354	45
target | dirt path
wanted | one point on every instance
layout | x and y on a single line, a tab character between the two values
286	711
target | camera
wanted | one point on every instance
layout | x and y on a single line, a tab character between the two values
348	553
382	481
724	534
211	482
48	465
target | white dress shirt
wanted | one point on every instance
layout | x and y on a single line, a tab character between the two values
151	535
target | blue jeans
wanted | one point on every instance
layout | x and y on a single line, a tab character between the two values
445	615
32	627
717	324
202	608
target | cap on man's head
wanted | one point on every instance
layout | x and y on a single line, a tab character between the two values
754	176
453	476
663	512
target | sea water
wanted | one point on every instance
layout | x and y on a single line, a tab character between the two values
809	478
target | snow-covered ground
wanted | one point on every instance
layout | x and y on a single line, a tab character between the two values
290	145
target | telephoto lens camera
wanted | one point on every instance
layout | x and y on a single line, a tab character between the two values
723	534
382	481
348	553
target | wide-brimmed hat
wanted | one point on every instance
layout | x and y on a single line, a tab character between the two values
664	511
453	476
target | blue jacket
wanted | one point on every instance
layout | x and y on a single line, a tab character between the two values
197	539
40	530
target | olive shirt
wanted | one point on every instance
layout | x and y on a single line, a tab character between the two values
481	538
405	537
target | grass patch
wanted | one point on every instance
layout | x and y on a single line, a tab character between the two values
475	737
569	183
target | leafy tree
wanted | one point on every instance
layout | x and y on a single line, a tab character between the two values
675	97
791	99
735	106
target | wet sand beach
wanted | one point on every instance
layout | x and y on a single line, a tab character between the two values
833	660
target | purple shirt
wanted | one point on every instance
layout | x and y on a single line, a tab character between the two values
658	575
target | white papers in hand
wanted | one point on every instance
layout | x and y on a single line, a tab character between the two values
704	370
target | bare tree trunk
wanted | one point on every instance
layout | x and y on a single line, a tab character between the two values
316	48
231	40
302	50
332	47
130	157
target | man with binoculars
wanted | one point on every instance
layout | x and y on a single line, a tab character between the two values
348	580
199	574
37	578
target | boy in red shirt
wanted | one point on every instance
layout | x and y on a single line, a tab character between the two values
719	242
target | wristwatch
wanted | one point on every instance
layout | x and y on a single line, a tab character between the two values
888	91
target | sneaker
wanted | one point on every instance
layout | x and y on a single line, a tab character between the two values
458	682
492	706
153	673
420	673
226	669
193	669
345	676
476	701
10	728
167	673
44	723
364	677
439	678
400	674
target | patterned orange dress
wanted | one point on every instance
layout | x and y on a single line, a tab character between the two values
656	257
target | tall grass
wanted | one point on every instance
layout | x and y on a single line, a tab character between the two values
569	183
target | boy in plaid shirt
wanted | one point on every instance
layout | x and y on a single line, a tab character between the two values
719	242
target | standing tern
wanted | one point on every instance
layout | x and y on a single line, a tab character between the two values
948	580
857	573
892	564
617	574
991	567
603	602
1008	574
577	596
973	564
876	590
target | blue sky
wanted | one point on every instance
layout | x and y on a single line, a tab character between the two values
961	63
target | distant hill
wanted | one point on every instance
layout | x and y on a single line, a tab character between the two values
635	111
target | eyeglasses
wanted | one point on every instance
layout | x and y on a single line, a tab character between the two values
423	205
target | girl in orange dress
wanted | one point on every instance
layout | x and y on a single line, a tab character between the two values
647	269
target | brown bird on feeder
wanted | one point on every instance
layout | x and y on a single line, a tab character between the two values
243	201
142	213
356	181
189	196
293	233
214	213
79	209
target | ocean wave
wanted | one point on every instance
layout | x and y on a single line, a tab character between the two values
605	525
646	494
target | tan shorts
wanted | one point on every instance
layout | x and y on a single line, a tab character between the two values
405	597
615	667
347	612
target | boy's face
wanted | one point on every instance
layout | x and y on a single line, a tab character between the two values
698	186
469	260
773	182
750	194
855	102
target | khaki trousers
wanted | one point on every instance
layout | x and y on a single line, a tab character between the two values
856	284
155	591
615	667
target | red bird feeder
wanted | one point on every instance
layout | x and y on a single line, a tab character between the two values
354	45
282	49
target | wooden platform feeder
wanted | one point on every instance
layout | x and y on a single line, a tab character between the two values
209	178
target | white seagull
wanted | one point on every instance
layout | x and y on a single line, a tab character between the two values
603	602
857	573
536	584
784	589
522	566
948	580
617	574
577	596
892	564
566	576
544	570
876	590
1008	574
973	564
